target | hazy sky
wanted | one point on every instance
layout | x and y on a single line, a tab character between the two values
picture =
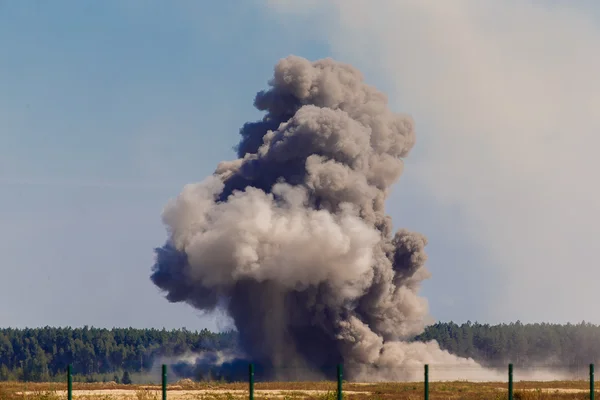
108	108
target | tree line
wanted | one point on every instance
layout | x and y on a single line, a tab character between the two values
563	346
43	354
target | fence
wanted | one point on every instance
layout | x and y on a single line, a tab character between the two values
339	390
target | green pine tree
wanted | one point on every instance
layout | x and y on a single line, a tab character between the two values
126	380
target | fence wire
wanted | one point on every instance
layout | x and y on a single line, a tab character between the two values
428	382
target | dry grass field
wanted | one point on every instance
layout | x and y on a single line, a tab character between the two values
188	390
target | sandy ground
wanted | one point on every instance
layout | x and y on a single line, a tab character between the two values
547	390
556	390
190	394
194	394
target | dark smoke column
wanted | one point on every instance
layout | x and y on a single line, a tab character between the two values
292	237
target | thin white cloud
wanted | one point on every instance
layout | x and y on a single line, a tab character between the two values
509	92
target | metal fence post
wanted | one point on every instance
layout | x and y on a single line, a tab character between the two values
164	382
510	382
339	382
251	381
426	382
592	382
70	382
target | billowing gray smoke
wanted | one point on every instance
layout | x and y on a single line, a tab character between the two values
292	238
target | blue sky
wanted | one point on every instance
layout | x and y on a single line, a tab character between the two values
106	111
108	108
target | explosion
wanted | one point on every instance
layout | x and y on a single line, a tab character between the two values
292	241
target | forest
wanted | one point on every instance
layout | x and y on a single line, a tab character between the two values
568	346
43	354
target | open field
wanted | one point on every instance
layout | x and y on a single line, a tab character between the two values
187	390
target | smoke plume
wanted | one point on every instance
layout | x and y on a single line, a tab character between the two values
292	239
